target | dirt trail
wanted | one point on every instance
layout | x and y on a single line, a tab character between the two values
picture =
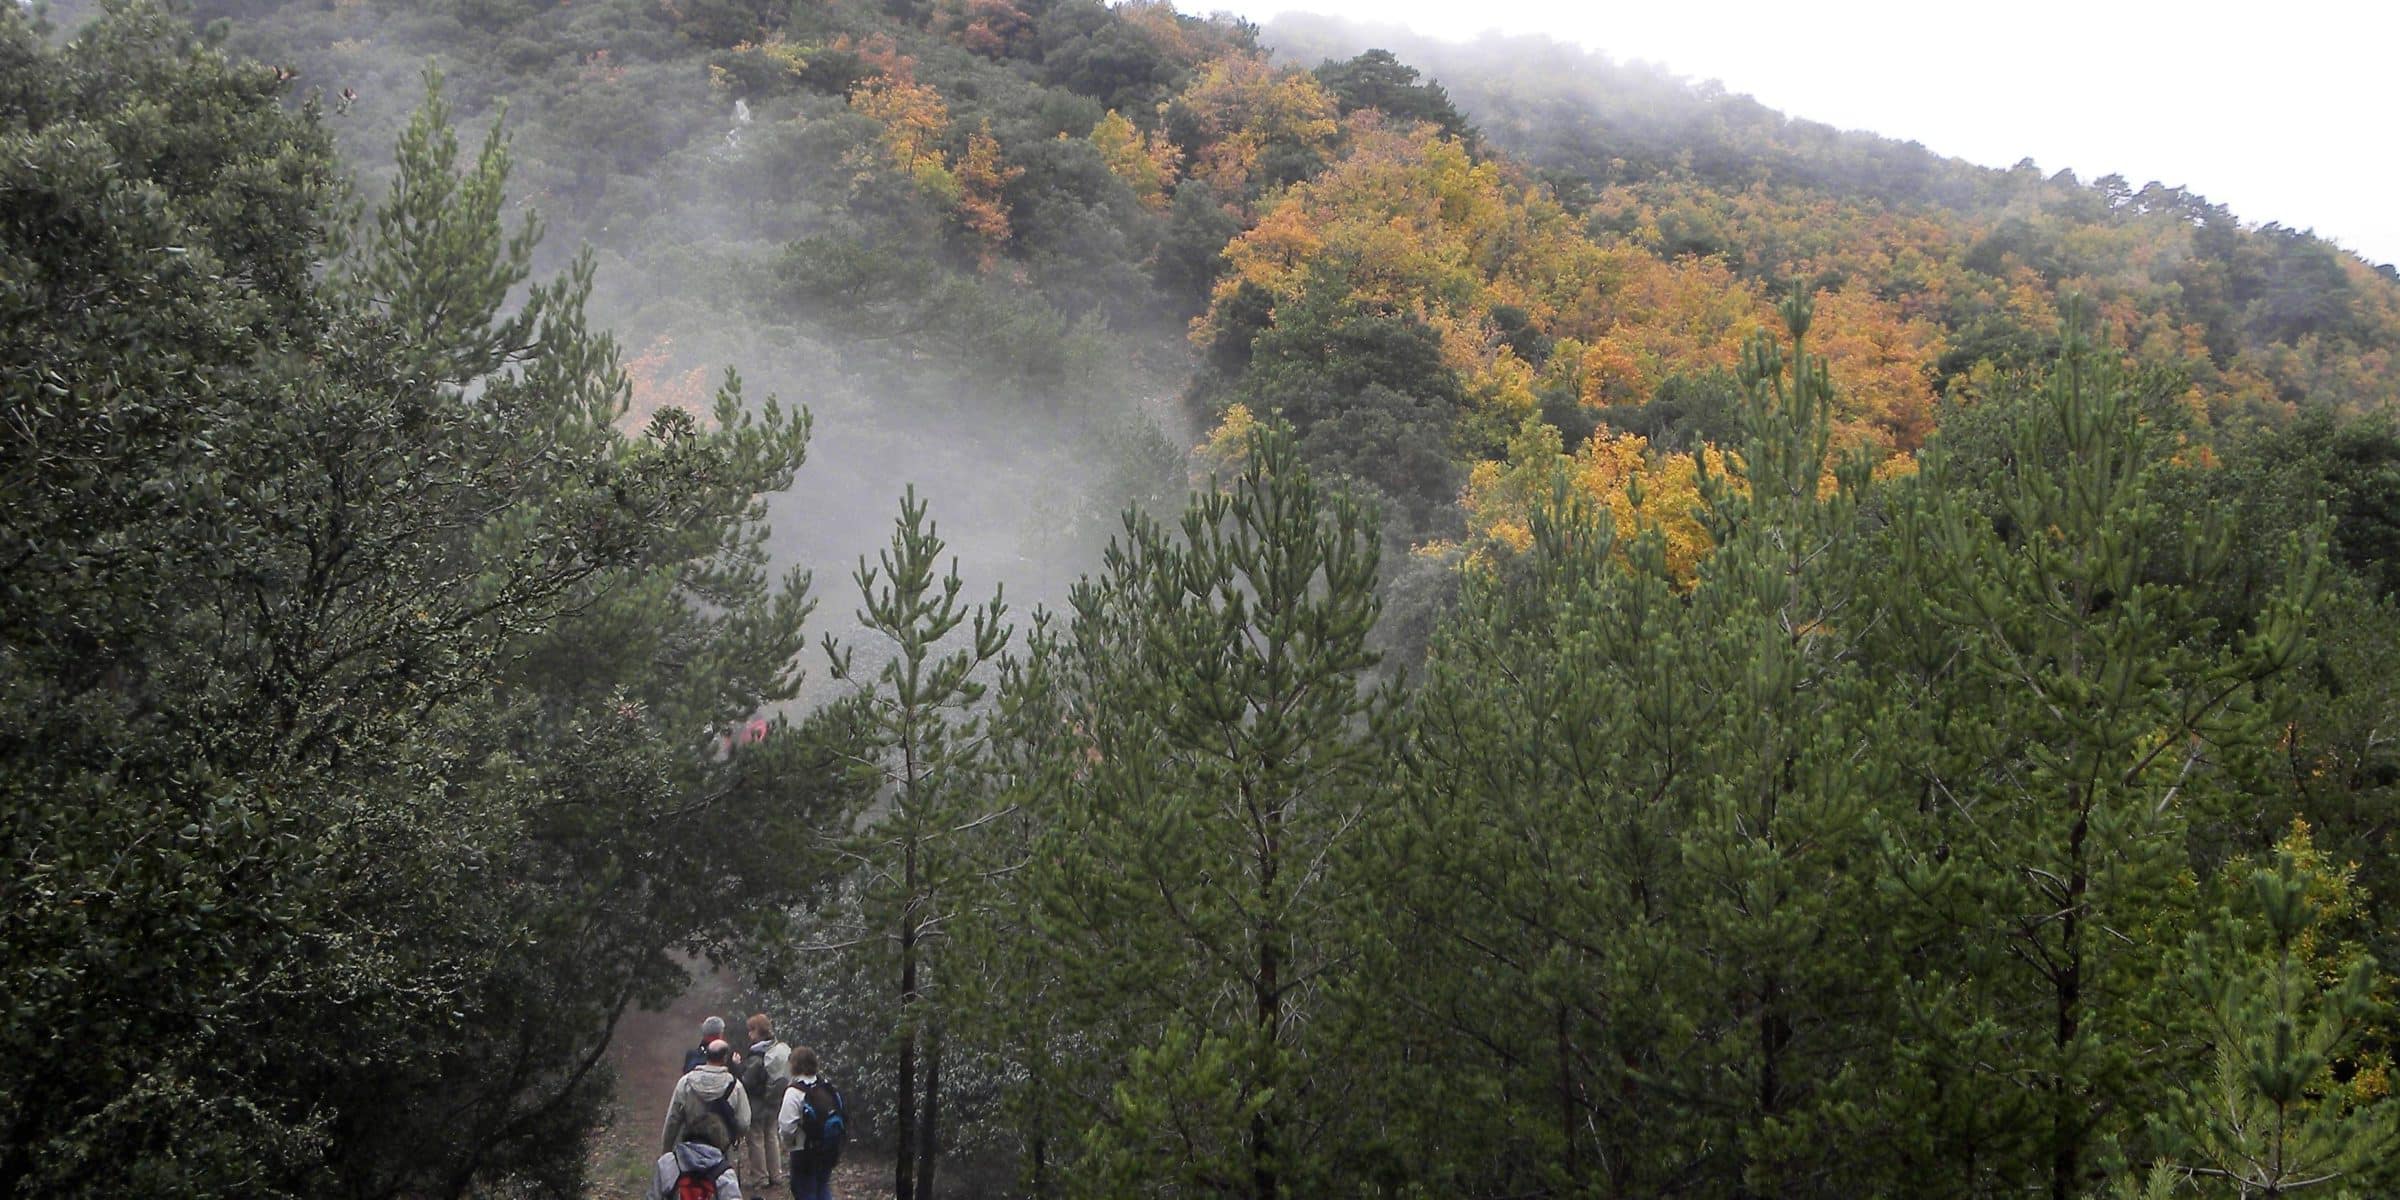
647	1054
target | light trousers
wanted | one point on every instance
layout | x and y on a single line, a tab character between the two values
762	1155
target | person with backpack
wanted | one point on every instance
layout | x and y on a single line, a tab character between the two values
709	1106
814	1126
766	1075
693	1171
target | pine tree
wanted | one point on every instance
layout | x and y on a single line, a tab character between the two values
1642	807
2067	706
1219	762
1526	878
1780	918
922	708
2286	1098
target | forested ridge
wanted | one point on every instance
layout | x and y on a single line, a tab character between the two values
1652	649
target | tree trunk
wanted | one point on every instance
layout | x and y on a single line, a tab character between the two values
1566	1096
1269	994
929	1132
2066	1139
904	1123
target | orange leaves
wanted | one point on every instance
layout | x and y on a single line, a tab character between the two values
914	121
656	385
1881	366
982	176
1660	318
599	68
992	28
1147	166
880	55
916	124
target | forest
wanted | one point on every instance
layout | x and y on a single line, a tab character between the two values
1204	610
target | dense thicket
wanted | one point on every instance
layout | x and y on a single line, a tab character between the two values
1929	835
359	670
1611	723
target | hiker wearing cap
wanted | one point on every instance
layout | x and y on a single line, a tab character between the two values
712	1029
708	1106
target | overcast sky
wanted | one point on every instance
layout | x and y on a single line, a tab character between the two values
2281	111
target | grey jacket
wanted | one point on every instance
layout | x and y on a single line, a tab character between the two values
687	1110
691	1156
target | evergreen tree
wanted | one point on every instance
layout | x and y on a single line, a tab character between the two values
925	735
356	666
1643	808
2286	1098
1524	987
1183	874
1782	922
2072	711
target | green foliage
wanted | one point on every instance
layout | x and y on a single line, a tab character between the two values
356	666
1204	769
1380	81
1688	411
1086	50
363	682
1370	397
2286	1005
2084	721
1191	251
1629	822
915	856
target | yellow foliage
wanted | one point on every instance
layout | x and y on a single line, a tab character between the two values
914	122
1895	466
2331	890
1181	40
1146	166
1408	222
1244	105
1643	490
1229	441
792	57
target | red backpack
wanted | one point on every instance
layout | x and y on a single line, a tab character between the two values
700	1166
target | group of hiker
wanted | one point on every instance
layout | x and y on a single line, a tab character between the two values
718	1114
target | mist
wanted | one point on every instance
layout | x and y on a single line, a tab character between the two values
1027	418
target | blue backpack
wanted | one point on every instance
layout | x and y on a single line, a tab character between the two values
823	1126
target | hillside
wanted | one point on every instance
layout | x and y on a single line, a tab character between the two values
1046	191
1314	614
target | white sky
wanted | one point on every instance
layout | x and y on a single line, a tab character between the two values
2280	111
